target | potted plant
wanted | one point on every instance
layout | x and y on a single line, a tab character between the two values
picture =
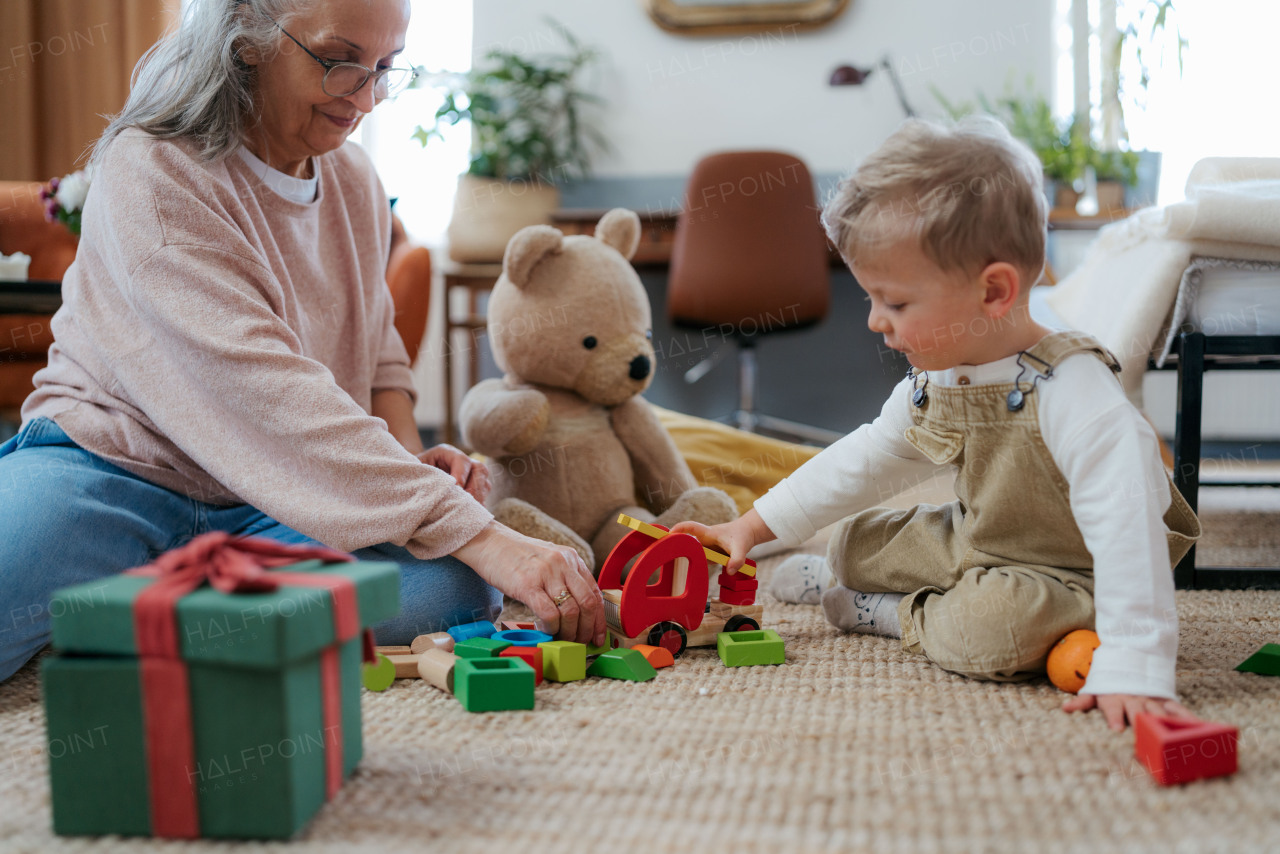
1114	170
532	128
1135	36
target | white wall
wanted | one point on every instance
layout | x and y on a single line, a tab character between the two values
673	98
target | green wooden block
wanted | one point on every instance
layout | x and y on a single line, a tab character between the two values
737	649
622	664
1265	661
379	675
493	684
592	649
479	647
254	673
563	661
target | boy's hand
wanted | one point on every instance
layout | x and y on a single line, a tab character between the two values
1120	709
734	538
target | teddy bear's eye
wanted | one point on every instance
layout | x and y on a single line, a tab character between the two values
648	335
589	342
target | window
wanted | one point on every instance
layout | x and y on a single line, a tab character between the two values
1214	108
423	179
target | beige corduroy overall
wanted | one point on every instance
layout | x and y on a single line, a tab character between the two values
996	577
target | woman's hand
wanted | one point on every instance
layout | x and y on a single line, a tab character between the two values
540	575
471	475
1121	708
734	538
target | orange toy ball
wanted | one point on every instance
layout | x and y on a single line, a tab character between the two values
1070	658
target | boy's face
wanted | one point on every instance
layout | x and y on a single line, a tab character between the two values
937	320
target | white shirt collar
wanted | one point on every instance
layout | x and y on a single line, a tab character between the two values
299	190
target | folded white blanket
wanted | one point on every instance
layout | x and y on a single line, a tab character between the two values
1123	291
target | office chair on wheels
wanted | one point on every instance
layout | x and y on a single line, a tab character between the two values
750	259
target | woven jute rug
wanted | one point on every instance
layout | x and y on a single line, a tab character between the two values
851	745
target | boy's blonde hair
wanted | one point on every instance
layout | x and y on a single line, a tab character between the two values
969	194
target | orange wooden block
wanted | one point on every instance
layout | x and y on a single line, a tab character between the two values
655	655
531	654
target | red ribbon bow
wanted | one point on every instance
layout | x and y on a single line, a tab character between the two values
230	565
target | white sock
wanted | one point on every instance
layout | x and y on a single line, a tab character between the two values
800	579
869	613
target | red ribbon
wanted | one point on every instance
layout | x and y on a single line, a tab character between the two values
230	565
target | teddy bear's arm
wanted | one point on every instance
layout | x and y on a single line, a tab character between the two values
661	474
498	420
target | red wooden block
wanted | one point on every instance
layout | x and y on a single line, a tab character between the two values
513	625
532	655
738	581
737	597
1177	750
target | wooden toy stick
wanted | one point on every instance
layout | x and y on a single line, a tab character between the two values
748	568
389	651
438	640
406	665
436	666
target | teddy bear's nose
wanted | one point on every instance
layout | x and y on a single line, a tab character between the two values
639	367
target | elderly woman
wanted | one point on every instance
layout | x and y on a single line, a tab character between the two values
225	358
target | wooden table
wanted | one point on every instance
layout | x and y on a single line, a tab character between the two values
475	280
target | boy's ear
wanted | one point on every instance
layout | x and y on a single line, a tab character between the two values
1002	286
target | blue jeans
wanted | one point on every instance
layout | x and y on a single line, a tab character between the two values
67	516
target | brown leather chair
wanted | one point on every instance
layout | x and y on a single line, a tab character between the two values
750	259
25	338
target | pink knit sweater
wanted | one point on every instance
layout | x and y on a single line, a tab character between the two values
224	342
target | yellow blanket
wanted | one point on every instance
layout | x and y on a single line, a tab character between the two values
745	465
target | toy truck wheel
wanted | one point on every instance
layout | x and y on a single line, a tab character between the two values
670	636
739	623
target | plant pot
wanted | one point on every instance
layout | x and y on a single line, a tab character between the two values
1110	196
487	213
1065	196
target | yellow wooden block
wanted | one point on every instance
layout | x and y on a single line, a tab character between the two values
748	568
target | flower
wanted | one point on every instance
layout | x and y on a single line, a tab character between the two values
72	191
64	198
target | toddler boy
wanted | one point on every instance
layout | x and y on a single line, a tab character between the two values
1064	518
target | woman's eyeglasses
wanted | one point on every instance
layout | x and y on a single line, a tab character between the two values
342	79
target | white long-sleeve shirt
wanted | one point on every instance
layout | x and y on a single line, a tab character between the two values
1110	458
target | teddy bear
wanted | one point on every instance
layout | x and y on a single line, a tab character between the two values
572	443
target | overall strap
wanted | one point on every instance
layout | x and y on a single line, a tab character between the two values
1055	347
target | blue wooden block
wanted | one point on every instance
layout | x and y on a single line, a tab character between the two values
522	637
481	629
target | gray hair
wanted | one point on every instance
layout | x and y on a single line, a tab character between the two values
193	82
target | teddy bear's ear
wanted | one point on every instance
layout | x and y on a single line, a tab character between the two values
620	228
526	249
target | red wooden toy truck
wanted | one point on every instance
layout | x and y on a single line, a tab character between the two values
673	611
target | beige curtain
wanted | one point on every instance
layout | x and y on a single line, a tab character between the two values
64	66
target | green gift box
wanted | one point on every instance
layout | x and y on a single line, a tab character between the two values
269	736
